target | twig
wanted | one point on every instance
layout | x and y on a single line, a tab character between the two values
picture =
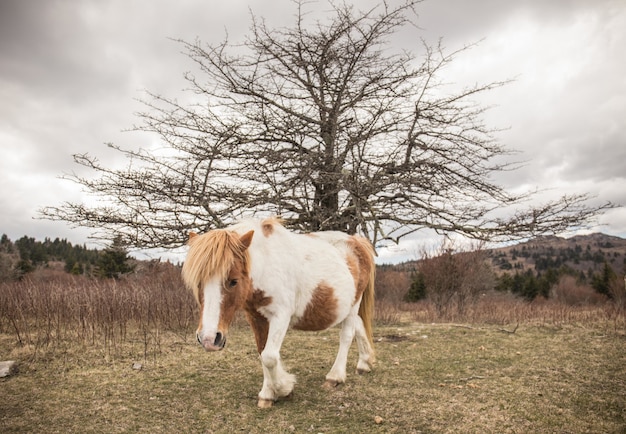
472	377
509	331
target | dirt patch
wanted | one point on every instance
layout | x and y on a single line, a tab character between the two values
393	338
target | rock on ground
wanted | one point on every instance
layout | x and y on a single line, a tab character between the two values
8	368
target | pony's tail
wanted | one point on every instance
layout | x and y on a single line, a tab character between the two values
366	309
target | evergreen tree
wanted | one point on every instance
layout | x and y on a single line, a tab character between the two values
504	283
70	261
113	261
602	283
531	286
6	245
417	290
77	269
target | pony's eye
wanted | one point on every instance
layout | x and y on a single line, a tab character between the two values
232	283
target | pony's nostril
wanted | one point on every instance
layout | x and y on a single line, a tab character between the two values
220	340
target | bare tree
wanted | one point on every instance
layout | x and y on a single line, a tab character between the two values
326	125
455	278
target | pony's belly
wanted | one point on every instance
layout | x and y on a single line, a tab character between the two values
323	310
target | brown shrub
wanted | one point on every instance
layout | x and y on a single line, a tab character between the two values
386	313
573	293
508	310
49	306
454	280
391	285
617	289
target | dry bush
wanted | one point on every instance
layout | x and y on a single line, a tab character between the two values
386	313
391	285
50	306
572	293
7	266
508	310
454	280
617	289
491	308
617	310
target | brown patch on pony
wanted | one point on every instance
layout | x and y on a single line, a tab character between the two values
353	266
236	289
268	225
360	263
321	312
364	252
260	325
268	228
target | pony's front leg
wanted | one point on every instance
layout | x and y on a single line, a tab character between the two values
277	382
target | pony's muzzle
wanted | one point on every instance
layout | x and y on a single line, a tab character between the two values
210	343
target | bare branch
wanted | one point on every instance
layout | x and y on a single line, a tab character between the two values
325	124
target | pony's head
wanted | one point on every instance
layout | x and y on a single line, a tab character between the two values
217	270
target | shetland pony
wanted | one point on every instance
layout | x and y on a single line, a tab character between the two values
282	279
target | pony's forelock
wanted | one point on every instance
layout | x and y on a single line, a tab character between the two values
212	254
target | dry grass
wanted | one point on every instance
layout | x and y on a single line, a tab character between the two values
505	309
562	370
50	308
428	378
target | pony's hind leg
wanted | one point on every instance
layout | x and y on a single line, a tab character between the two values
366	352
337	373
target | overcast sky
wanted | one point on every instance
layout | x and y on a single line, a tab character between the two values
71	73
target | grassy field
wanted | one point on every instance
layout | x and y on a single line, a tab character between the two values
428	378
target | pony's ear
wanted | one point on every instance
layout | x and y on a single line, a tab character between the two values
192	235
246	239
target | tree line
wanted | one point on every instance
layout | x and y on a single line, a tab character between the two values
530	285
25	255
451	278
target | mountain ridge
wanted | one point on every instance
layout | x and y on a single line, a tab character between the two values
583	253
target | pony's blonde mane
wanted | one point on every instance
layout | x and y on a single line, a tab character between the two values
212	254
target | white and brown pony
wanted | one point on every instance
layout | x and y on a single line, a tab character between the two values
282	279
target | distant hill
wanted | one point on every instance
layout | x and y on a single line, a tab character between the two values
594	263
583	253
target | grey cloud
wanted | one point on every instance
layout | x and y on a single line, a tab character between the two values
70	73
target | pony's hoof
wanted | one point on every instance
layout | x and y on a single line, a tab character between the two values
330	384
362	371
265	403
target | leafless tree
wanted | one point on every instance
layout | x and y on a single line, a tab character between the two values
455	278
326	125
